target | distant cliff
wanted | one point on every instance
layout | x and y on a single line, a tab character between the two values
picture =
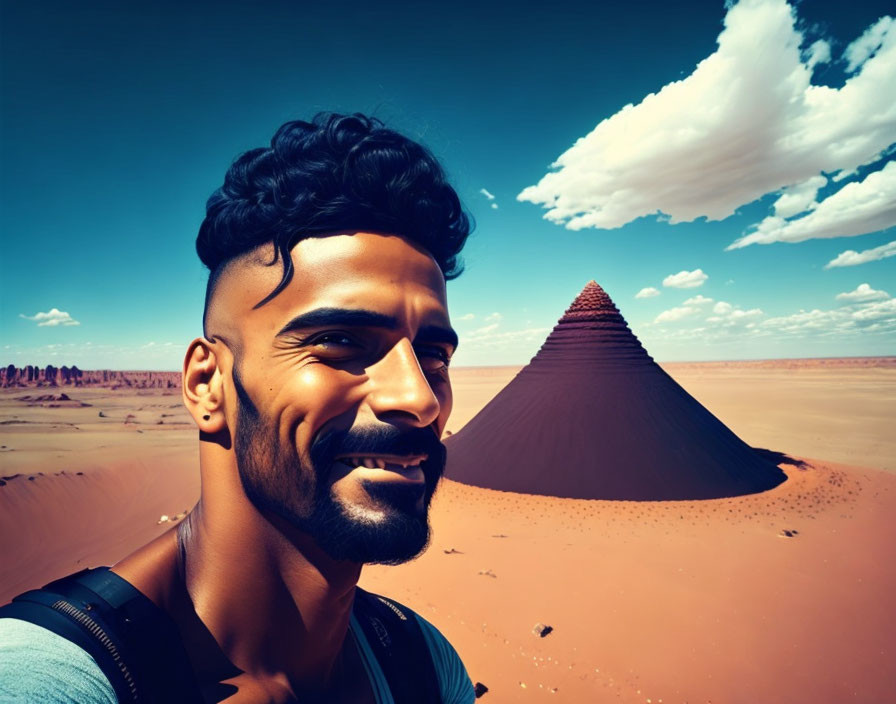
12	376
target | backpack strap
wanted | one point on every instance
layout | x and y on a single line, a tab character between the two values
134	642
400	647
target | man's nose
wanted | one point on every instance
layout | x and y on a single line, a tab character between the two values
400	388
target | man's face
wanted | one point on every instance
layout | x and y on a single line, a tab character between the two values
340	390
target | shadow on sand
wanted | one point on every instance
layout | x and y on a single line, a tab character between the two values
778	458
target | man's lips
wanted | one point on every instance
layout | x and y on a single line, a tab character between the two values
407	466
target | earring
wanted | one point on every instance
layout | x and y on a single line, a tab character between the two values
206	417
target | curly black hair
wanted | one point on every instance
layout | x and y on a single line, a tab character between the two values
337	172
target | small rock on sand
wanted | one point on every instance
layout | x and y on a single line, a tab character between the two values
542	630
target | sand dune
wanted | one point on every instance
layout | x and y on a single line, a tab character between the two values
782	596
592	416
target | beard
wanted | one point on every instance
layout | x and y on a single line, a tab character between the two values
277	480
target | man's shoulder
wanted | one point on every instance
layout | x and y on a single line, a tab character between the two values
454	682
37	665
432	634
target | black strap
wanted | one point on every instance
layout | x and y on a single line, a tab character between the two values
138	647
400	648
135	643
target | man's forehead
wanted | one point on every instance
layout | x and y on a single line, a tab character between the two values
339	267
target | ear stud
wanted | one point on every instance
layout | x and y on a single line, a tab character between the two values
206	417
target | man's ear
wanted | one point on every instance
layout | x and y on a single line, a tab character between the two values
203	386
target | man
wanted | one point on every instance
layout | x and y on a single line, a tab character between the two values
320	388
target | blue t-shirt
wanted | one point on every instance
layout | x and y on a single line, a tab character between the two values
37	666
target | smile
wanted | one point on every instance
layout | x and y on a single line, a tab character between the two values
406	467
394	462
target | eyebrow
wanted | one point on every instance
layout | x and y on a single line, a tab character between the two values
435	334
357	317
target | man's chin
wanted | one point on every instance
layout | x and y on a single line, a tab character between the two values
390	528
391	542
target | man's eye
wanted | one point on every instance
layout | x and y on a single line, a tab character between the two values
433	359
332	339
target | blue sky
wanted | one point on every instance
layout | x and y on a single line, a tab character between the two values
723	156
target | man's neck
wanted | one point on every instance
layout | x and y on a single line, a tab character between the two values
269	602
271	599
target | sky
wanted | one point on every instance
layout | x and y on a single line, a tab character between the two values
724	171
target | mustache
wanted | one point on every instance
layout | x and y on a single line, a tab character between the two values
376	440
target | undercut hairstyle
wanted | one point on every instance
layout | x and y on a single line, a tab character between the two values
337	172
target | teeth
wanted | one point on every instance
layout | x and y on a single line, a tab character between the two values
377	462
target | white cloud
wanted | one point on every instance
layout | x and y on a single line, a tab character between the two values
486	194
494	206
852	258
819	53
867	317
675	314
862	294
648	292
877	311
746	122
858	208
468	316
484	330
493	316
871	41
51	319
727	315
486	338
686	279
87	355
722	308
723	317
799	198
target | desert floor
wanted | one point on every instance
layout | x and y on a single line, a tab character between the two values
784	596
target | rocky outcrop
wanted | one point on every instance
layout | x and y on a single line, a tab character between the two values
20	377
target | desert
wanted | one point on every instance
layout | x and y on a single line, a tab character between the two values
777	596
693	504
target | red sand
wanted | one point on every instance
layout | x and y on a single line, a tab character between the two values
699	601
692	601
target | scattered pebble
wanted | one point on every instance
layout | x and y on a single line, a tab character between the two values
542	630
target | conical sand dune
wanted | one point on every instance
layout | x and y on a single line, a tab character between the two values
592	416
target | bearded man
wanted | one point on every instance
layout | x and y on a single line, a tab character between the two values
320	388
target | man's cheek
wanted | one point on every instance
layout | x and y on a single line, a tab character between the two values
324	392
